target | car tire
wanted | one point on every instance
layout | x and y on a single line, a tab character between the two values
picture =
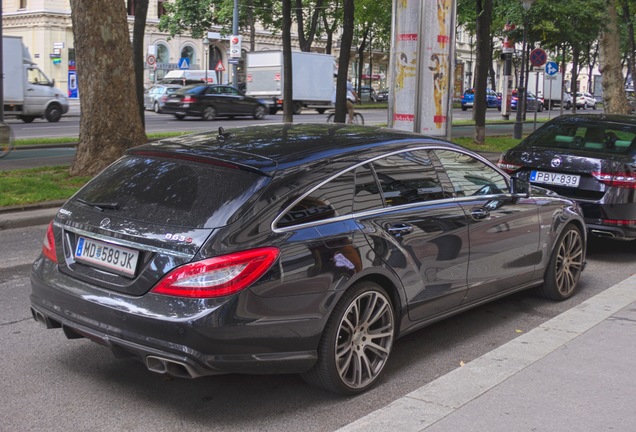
179	116
26	119
464	108
297	108
565	266
361	328
209	113
53	113
594	106
259	113
155	107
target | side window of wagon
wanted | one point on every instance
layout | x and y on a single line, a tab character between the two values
471	176
409	177
333	199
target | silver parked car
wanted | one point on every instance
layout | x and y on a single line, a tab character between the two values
152	98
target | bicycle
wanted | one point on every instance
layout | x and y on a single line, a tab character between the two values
6	139
357	118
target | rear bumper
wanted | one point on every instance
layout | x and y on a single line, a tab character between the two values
177	339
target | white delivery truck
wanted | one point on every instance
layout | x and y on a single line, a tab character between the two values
28	92
189	76
312	79
549	88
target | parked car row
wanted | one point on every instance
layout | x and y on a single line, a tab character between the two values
207	101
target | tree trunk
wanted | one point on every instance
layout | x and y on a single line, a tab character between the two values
343	60
631	61
251	24
306	40
482	65
614	98
109	122
288	103
139	29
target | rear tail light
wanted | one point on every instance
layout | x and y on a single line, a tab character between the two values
619	222
218	276
507	166
620	179
189	99
48	246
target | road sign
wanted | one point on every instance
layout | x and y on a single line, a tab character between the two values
235	46
184	63
538	57
219	66
551	68
233	60
151	60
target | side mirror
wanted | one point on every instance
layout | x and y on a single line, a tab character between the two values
519	188
52	83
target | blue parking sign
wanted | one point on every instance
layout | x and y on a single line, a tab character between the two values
551	68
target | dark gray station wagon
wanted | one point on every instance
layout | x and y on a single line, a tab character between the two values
295	248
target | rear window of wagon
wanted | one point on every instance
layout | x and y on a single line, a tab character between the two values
174	192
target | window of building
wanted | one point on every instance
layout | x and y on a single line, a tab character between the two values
188	52
23	4
161	10
163	54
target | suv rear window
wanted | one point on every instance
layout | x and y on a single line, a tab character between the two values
174	192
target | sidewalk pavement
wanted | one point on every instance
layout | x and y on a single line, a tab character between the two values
575	372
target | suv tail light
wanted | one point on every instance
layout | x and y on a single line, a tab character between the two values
619	179
218	276
508	167
48	246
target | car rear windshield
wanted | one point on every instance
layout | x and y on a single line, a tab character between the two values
601	137
174	192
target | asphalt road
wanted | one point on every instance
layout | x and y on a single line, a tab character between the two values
69	127
54	384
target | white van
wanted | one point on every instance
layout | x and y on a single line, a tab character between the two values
188	76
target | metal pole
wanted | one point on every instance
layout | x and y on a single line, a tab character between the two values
235	19
518	127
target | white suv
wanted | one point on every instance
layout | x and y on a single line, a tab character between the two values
585	100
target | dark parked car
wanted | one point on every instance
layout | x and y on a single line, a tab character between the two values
294	248
367	94
532	102
382	96
210	101
588	158
493	100
154	98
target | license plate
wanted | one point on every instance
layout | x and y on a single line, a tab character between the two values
108	256
567	180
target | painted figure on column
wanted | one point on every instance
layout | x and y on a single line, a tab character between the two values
443	9
439	67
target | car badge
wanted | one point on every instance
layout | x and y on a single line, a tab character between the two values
556	162
104	223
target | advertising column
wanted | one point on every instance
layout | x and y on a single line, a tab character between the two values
422	67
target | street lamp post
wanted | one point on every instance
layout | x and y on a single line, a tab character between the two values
518	127
206	46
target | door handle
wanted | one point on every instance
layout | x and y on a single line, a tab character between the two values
479	213
400	229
